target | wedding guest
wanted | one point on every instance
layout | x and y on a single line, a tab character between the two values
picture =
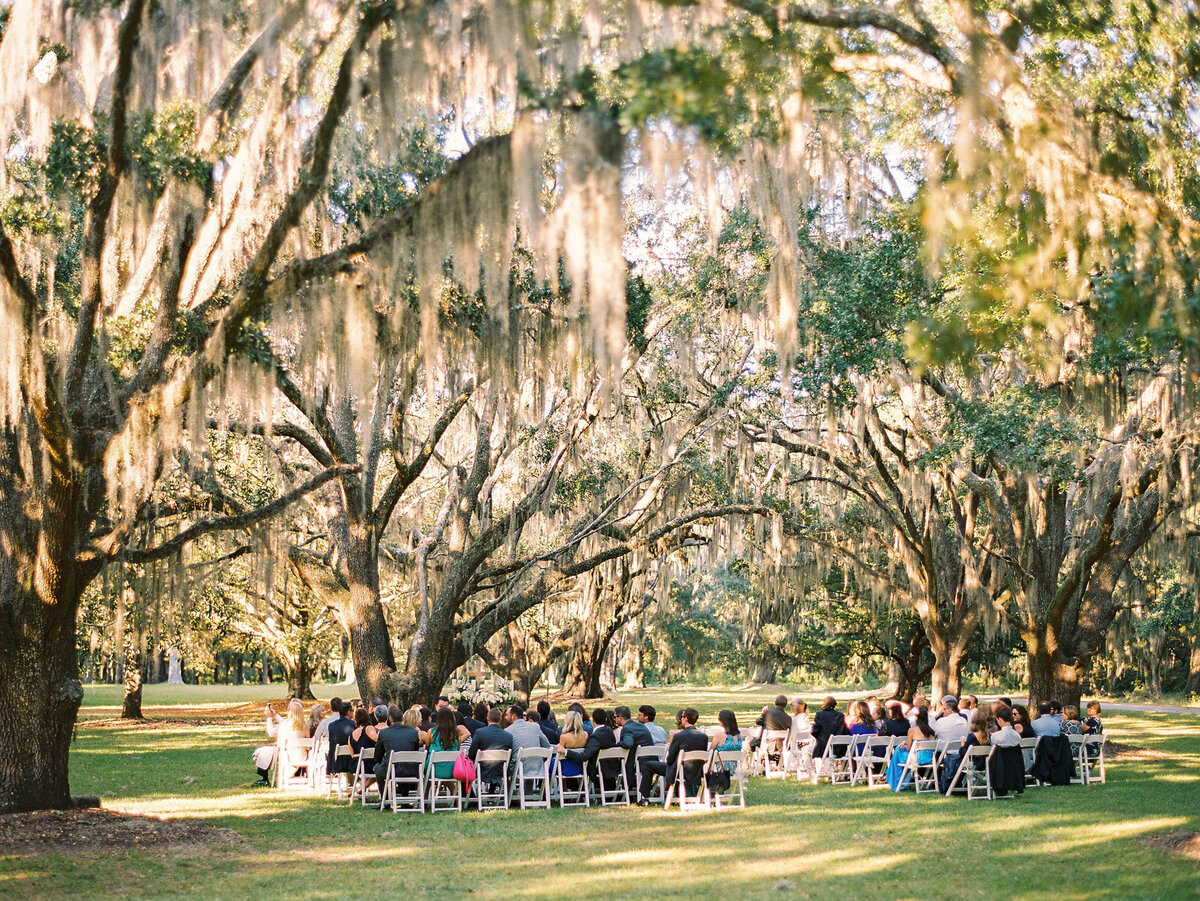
1093	724
1046	724
1070	722
491	737
524	734
1021	721
339	732
951	726
446	735
896	723
897	777
646	715
688	738
828	722
800	718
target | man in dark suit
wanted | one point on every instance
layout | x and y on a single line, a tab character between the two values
548	723
400	735
689	738
634	735
473	725
339	734
491	738
601	739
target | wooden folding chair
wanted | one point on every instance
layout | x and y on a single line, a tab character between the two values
573	791
364	779
531	777
736	793
836	761
873	754
435	783
974	775
618	793
653	752
343	752
1029	748
482	796
294	755
678	789
1093	759
389	792
1077	743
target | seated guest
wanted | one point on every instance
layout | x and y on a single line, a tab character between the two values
365	735
1093	725
547	722
587	724
469	719
1021	721
442	701
896	723
1005	736
646	715
525	735
631	736
446	735
572	737
897	777
773	719
800	719
601	738
876	710
315	717
967	706
426	722
978	735
1056	710
1046	724
951	726
727	737
688	738
491	737
828	722
1070	722
379	716
339	732
321	730
920	699
860	722
401	734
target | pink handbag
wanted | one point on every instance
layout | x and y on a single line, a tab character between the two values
464	769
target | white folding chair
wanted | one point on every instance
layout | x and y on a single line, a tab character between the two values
922	775
798	757
871	761
653	752
363	782
771	753
453	796
573	791
1093	759
734	762
295	755
531	777
495	757
618	791
413	800
678	789
343	752
836	761
1077	751
1029	748
974	775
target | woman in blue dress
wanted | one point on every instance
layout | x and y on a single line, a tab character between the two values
897	778
727	737
573	736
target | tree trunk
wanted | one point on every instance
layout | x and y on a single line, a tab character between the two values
608	671
634	666
299	680
131	706
947	672
1193	682
763	671
363	619
238	679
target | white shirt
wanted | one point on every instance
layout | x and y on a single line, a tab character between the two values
322	730
1006	737
801	723
951	728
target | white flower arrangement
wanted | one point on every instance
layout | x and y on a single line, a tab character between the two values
499	692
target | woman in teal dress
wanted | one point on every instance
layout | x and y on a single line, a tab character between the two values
727	737
897	776
446	735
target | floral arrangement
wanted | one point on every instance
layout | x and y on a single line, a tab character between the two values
499	692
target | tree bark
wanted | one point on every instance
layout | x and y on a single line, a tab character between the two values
131	706
763	671
634	665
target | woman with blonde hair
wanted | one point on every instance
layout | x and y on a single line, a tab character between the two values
315	715
573	736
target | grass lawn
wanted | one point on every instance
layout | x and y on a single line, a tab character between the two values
793	840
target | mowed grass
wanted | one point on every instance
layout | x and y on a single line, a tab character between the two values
793	840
